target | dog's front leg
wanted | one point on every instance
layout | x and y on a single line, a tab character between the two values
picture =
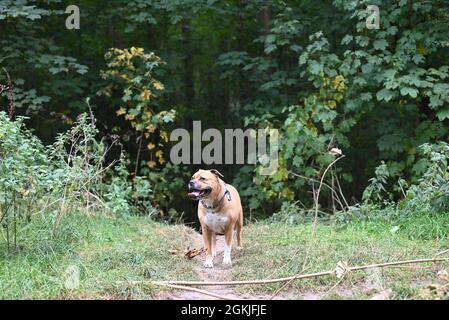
228	245
207	238
213	245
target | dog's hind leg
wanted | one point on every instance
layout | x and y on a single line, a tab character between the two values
239	231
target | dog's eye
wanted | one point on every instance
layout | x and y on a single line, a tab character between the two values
202	178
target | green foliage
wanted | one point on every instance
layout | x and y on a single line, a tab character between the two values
78	157
422	213
45	77
375	192
24	175
312	70
169	190
126	196
22	158
68	176
377	91
432	190
292	213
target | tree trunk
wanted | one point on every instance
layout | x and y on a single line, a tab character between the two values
189	87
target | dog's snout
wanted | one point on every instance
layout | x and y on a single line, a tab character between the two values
191	183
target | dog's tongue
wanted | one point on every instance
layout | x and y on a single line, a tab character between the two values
193	194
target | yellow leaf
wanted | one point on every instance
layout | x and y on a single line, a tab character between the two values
151	164
120	111
151	128
158	86
147	115
151	146
129	117
332	103
164	136
145	95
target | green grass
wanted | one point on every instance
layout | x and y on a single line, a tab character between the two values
108	252
278	250
111	252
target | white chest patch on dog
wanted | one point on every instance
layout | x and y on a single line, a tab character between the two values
216	222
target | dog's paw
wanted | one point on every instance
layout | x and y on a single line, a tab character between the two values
208	264
214	254
239	248
227	260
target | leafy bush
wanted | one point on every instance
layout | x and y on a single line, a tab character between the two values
169	190
375	192
292	213
127	196
422	213
64	177
24	174
130	74
432	190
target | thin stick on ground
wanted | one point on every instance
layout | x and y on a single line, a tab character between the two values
297	276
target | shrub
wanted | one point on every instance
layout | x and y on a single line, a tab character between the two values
432	190
24	179
422	213
67	176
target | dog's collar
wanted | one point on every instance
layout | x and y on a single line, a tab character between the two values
211	207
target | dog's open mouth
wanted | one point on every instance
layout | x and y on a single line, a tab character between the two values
195	194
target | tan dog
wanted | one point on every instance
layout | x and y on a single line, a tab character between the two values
219	212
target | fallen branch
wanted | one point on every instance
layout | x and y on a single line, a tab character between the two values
296	277
244	282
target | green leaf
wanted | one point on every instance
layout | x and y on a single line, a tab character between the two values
385	95
380	44
270	48
270	38
412	92
315	67
443	114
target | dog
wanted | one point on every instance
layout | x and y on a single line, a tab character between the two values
219	212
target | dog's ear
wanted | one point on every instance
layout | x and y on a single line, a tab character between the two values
217	173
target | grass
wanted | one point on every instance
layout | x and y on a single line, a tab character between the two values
110	252
277	250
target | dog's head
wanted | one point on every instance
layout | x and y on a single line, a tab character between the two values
204	184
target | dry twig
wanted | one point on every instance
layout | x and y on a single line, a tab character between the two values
298	276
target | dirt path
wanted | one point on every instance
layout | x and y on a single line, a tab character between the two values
219	272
